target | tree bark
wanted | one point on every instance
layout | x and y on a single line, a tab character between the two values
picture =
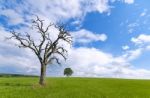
42	75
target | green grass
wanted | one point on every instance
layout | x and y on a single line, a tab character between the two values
27	87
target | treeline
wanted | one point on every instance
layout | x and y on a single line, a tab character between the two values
16	75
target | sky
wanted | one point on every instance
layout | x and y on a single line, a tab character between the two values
111	38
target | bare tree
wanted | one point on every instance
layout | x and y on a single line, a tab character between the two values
47	50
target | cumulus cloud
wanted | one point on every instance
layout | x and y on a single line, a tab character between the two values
92	62
11	57
141	39
89	61
96	5
133	54
129	1
142	42
85	36
53	10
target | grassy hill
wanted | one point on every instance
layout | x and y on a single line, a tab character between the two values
27	87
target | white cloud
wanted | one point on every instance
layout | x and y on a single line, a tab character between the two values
14	17
96	5
141	39
22	60
126	47
142	42
60	11
133	54
89	61
92	62
54	10
129	1
85	36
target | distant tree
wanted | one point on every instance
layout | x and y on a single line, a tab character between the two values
68	71
46	50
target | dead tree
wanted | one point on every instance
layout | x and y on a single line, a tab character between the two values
47	50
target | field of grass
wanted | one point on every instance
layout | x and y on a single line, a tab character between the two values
27	87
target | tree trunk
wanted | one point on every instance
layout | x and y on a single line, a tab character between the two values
43	74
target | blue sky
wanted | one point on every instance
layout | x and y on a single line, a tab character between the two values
110	36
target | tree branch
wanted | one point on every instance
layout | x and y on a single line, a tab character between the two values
46	48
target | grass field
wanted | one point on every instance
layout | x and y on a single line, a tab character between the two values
74	88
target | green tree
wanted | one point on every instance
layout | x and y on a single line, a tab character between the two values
68	71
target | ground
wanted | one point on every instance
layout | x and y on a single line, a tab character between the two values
27	87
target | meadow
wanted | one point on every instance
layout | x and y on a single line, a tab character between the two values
27	87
